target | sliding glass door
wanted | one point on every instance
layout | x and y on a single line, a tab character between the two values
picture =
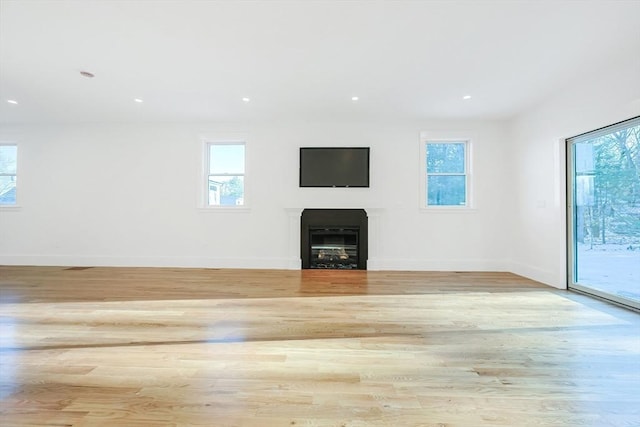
604	212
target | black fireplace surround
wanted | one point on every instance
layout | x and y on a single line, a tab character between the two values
334	239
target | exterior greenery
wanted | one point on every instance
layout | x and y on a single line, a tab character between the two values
608	190
8	168
446	173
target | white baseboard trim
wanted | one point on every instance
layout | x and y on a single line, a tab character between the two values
539	275
436	265
178	262
294	264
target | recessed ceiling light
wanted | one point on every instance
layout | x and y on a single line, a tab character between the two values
11	101
354	98
87	74
138	100
245	99
466	97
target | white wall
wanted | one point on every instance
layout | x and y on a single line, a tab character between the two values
590	101
129	195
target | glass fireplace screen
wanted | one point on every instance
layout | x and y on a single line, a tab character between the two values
334	248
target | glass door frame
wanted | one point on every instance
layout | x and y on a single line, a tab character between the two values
572	259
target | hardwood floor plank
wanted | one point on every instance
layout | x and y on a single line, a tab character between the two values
197	347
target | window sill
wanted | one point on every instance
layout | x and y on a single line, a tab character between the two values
448	210
224	209
10	208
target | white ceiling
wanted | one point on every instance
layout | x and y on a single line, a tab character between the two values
194	60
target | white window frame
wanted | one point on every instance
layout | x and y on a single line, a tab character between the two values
207	143
13	205
469	206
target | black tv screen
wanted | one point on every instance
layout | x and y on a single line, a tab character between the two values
334	167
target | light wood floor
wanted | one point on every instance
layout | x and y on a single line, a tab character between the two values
197	347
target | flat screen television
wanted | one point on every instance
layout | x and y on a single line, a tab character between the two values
334	167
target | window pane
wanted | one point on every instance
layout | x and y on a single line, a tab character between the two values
8	156
445	157
226	158
225	190
446	190
7	190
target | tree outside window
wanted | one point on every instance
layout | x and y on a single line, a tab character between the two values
8	173
226	171
446	173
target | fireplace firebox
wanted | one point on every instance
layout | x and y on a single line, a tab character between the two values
334	248
333	239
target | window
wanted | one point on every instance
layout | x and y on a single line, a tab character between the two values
225	174
8	173
447	173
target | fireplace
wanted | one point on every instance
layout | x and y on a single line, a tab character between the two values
334	239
